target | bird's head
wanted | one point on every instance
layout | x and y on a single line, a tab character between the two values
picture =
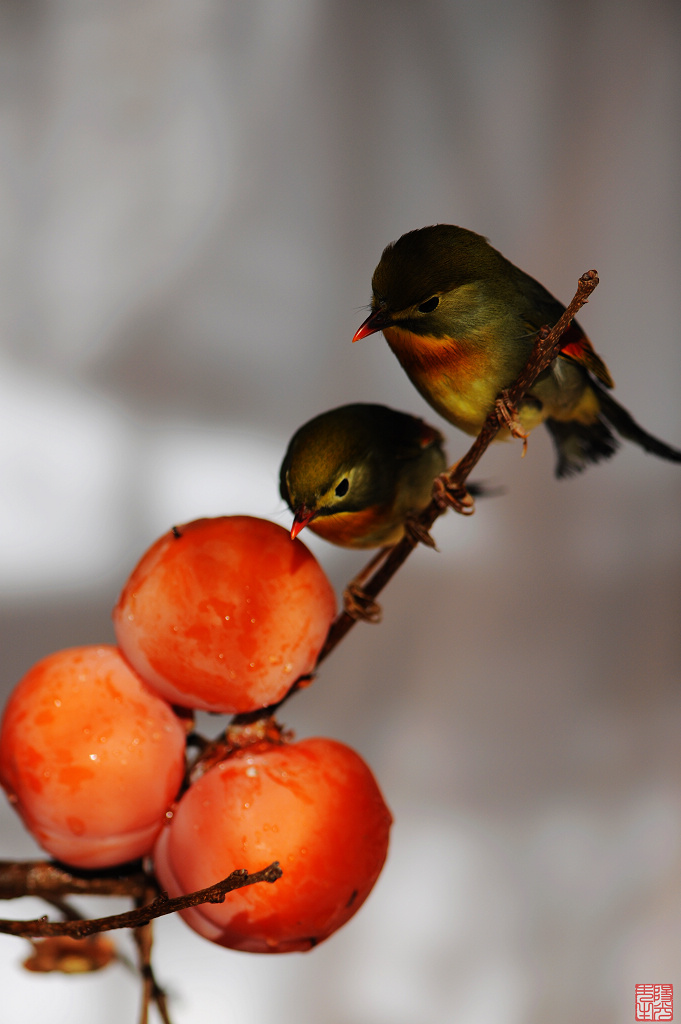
423	279
328	467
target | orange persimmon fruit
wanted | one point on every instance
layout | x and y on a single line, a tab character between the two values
224	614
90	756
314	806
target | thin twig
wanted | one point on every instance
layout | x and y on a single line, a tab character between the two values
160	998
44	878
141	916
143	936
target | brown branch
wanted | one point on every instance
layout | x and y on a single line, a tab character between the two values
46	879
141	916
151	990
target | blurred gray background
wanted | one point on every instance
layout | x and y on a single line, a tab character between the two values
194	196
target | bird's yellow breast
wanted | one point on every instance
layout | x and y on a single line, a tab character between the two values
456	377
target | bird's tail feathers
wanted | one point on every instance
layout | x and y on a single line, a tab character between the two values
578	444
481	489
627	427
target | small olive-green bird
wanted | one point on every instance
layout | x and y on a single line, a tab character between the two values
355	475
462	321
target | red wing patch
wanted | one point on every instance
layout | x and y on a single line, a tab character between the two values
429	435
576	346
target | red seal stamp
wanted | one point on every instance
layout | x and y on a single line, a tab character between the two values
654	1002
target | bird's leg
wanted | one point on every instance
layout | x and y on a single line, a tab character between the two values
448	494
356	602
508	417
359	605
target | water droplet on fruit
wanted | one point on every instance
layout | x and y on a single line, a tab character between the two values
226	618
131	617
57	703
246	806
251	772
253	621
93	757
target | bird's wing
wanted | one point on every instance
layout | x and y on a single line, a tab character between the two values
542	308
414	441
577	347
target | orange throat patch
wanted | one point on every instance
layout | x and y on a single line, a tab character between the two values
370	527
453	375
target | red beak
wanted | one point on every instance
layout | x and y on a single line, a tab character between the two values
376	321
301	517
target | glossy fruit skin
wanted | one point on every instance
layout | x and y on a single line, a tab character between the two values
315	807
90	756
224	614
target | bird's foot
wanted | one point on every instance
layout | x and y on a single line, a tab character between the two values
450	495
508	417
418	532
359	605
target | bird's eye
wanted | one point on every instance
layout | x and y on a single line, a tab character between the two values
342	488
429	305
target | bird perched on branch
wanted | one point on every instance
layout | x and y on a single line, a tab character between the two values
357	475
462	321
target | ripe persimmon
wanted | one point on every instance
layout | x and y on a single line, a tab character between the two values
224	614
315	807
90	756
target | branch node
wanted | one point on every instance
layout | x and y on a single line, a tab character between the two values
419	533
